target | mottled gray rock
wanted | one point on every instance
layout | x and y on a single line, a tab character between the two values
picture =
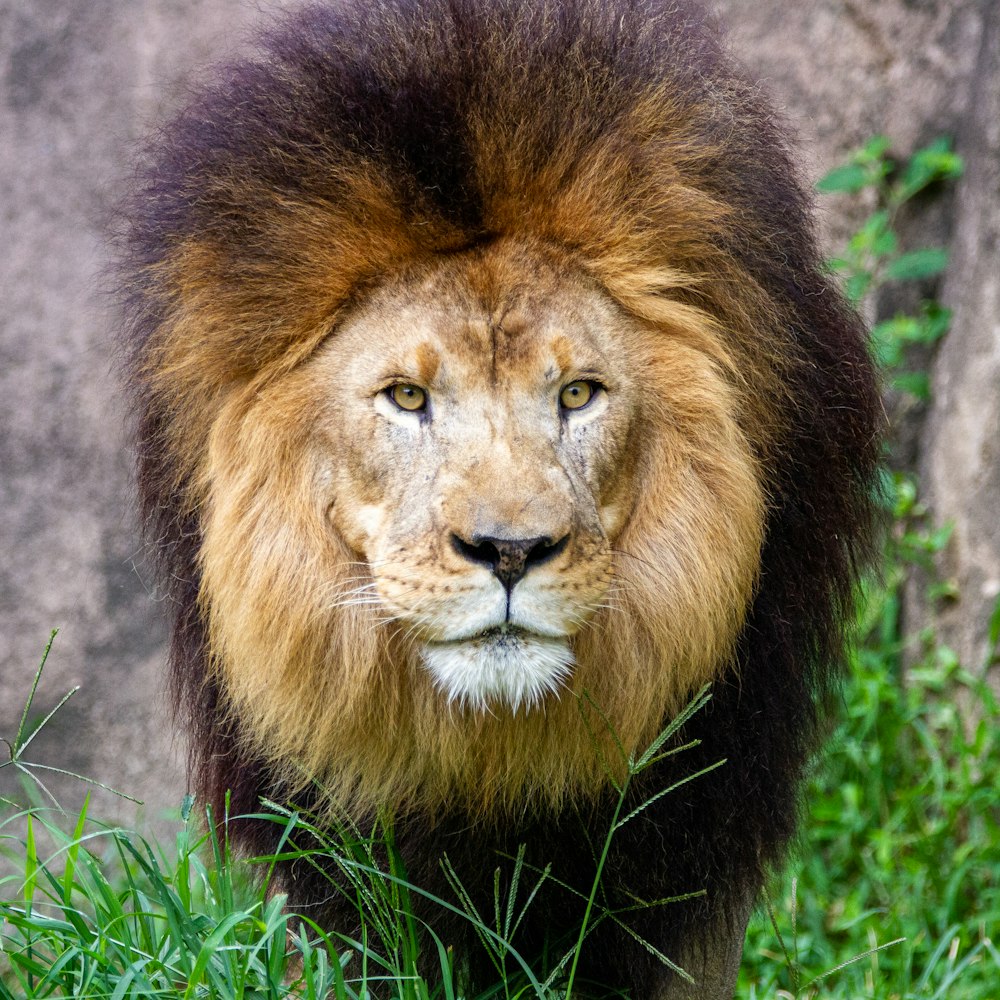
961	442
80	79
915	69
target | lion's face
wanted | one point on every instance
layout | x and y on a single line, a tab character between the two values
480	442
490	492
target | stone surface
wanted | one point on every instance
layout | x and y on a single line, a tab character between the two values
961	442
78	82
81	80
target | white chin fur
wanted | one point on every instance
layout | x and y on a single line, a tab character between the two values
510	667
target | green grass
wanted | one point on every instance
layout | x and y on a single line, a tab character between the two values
103	914
893	892
901	839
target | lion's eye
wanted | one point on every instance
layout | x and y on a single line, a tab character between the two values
408	397
577	395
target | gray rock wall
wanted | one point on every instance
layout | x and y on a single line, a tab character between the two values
80	79
960	455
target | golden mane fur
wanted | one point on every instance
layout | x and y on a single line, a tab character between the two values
652	184
332	692
316	687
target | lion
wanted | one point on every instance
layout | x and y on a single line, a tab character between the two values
488	383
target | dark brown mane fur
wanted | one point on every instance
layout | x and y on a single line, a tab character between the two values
362	136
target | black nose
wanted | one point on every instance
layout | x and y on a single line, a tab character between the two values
509	558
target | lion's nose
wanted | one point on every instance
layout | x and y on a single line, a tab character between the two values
509	558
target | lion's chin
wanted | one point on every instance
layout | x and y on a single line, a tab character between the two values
511	667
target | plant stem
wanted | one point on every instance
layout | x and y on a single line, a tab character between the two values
596	884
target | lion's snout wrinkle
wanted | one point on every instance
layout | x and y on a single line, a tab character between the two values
509	559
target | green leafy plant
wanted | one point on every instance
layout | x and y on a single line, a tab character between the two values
873	256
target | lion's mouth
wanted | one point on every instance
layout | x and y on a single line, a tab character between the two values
505	634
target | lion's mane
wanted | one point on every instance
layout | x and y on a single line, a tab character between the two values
363	138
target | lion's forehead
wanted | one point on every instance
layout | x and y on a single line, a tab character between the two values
449	329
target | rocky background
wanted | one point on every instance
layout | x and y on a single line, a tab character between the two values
80	80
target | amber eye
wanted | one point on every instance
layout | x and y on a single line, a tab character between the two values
577	395
408	397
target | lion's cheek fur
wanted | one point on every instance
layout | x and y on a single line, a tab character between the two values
686	571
